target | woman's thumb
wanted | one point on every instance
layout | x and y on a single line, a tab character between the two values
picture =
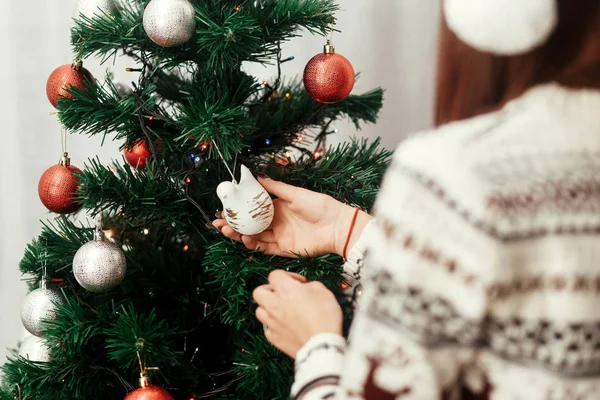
279	189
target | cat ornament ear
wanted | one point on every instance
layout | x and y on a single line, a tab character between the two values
247	206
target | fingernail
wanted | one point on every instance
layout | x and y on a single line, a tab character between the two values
263	176
219	214
209	225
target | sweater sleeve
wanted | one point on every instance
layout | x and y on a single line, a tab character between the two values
422	307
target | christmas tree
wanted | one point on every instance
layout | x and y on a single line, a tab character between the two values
152	289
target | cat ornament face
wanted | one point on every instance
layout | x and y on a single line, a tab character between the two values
247	206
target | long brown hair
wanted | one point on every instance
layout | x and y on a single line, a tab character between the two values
470	82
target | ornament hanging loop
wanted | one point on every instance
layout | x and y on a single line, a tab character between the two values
144	378
224	162
331	25
98	232
64	160
44	280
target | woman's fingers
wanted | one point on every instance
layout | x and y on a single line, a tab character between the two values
263	237
298	277
265	297
266	237
252	243
265	241
219	223
282	280
280	189
263	316
230	233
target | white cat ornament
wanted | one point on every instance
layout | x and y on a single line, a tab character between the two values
247	206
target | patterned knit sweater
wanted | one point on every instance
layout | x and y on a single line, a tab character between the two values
482	273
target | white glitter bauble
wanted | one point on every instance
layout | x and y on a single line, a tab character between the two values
169	23
39	306
95	8
35	349
99	265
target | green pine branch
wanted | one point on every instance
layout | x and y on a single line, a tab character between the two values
146	335
351	172
147	194
226	34
282	119
54	249
260	369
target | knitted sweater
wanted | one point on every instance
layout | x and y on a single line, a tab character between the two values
482	274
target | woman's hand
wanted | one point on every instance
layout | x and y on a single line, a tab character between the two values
292	311
305	223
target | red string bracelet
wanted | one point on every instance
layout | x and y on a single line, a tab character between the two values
350	232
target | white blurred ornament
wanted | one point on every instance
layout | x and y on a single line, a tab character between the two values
123	89
169	23
40	306
247	206
34	348
96	8
99	265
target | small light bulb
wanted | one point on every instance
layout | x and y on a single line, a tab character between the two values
268	142
146	231
288	96
287	154
108	234
186	247
336	130
300	138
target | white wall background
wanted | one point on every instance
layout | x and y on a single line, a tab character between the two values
391	42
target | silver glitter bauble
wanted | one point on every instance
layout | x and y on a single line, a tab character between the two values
35	349
169	23
38	307
99	265
95	8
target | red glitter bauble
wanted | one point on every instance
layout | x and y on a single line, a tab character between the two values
57	189
138	155
329	77
65	77
149	392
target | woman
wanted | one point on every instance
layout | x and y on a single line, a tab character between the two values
483	277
